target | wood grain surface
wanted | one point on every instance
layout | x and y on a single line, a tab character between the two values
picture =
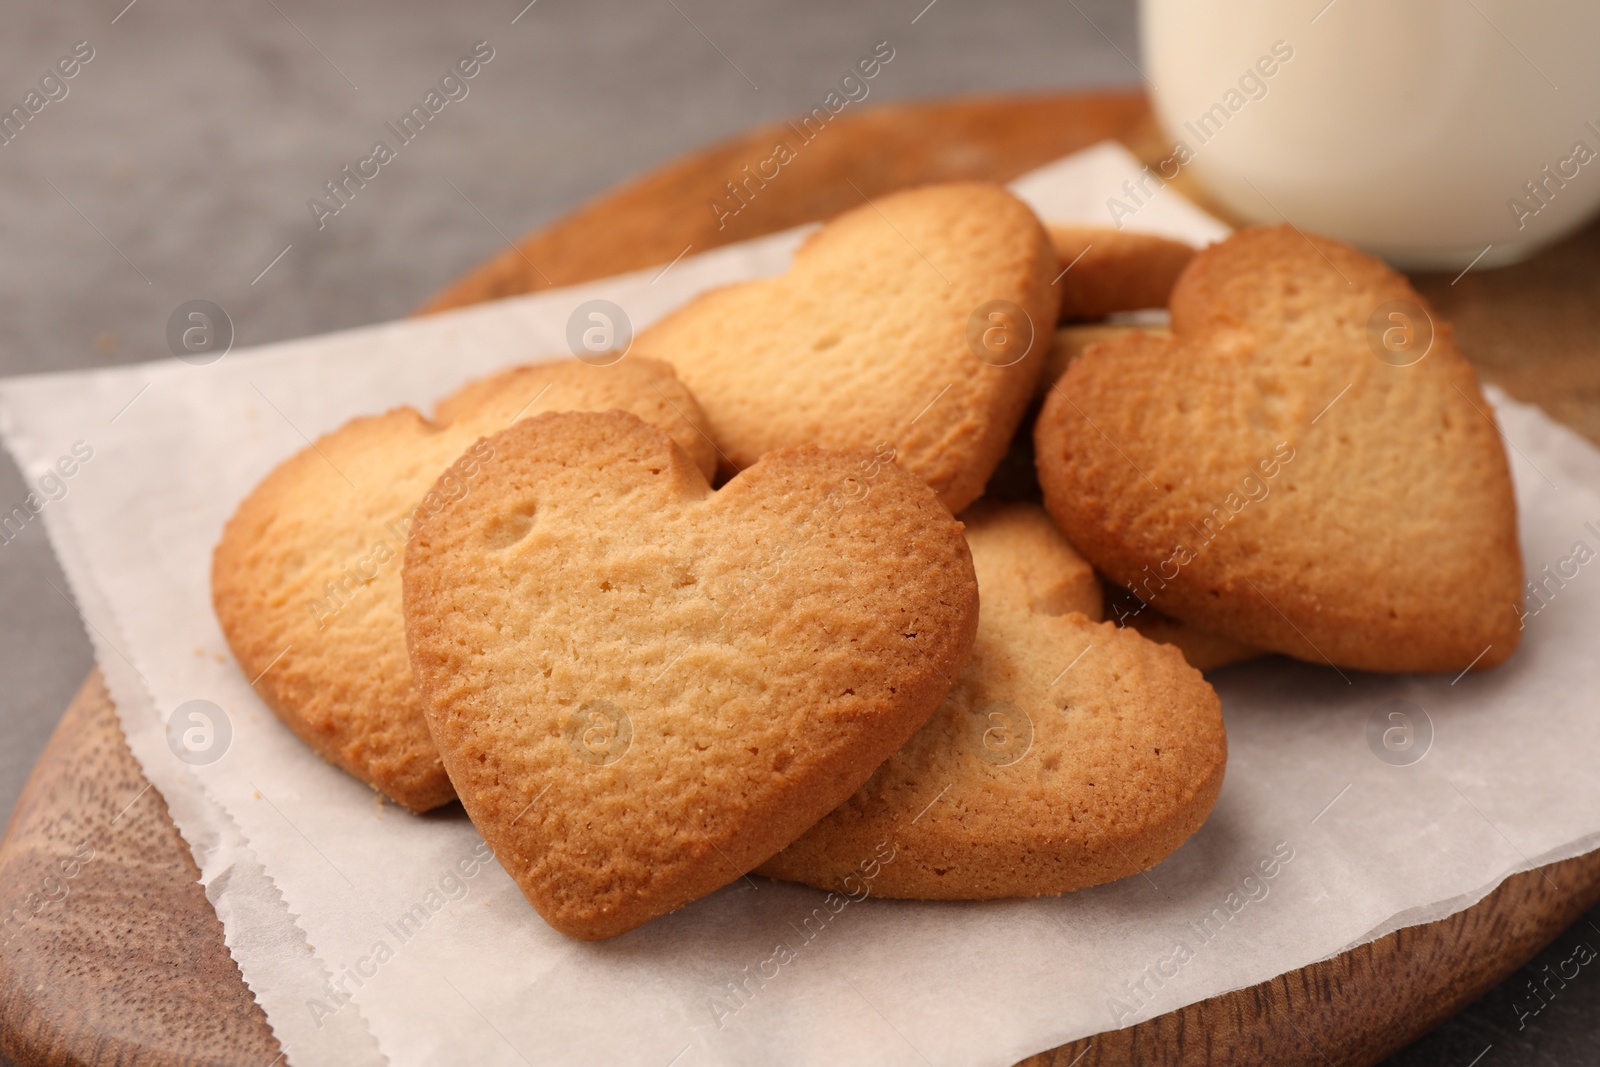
111	953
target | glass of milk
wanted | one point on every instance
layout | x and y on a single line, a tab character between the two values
1434	133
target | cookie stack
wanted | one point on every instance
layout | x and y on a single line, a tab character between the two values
642	687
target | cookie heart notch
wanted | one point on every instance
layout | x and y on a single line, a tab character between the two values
641	688
305	580
920	319
1306	465
1069	753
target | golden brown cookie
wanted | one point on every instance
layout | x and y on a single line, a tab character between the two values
642	688
1114	270
1028	563
1072	341
1203	651
1307	464
1069	753
918	321
306	578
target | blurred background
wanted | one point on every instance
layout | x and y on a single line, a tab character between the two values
179	162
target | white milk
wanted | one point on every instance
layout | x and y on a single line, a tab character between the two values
1419	130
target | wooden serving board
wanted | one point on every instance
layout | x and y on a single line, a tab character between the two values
122	960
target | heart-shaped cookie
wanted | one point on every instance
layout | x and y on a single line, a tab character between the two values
1069	753
306	578
1306	465
918	320
641	688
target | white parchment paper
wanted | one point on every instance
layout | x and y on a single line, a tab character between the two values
368	934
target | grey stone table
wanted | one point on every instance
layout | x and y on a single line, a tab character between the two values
177	163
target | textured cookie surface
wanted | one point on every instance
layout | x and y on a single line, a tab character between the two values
1069	753
642	688
1204	651
1072	341
1266	476
870	337
1114	270
306	578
